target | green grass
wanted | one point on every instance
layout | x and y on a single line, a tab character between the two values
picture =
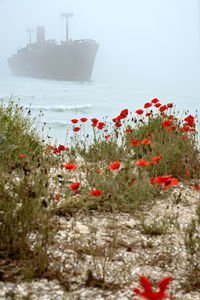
24	185
178	149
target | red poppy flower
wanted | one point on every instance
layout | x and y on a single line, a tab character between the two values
56	151
146	141
83	119
148	104
70	166
96	193
75	129
156	159
148	292
186	129
128	130
170	105
119	118
118	124
142	162
114	165
62	148
171	182
163	108
115	120
134	142
167	123
189	120
124	113
101	125
107	136
57	196
157	105
74	121
196	187
163	179
139	111
155	100
99	171
51	147
148	114
94	120
189	124
166	180
187	172
22	155
149	134
152	180
74	186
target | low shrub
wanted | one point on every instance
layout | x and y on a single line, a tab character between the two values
24	181
154	148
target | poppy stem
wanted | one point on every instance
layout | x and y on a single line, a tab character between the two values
94	133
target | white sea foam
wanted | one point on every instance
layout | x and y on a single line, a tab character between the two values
56	123
61	108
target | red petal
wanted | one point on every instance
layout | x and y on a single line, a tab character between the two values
147	285
137	291
163	284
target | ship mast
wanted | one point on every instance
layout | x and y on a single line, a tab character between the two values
67	16
30	35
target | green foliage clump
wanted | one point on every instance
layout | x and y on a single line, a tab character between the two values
115	171
24	230
167	145
179	150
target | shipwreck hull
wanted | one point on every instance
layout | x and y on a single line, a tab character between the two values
72	61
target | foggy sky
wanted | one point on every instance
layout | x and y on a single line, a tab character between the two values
138	39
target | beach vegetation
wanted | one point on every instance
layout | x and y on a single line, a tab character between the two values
125	166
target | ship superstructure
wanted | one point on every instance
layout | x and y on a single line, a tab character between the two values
71	60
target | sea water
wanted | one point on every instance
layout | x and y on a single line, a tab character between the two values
60	101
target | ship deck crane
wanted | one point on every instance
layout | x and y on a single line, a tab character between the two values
67	16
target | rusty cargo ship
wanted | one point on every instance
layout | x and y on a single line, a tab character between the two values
70	60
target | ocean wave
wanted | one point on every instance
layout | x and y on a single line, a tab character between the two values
56	123
61	108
